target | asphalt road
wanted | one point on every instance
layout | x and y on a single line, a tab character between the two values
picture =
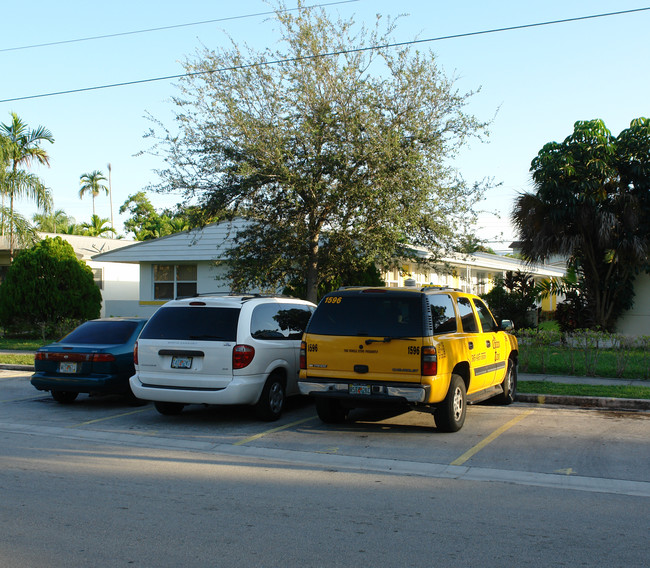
102	483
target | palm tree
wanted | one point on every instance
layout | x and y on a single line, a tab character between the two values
57	222
97	227
92	183
22	146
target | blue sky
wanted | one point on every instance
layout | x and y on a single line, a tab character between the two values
534	83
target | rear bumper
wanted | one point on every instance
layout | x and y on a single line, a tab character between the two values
109	384
241	390
380	393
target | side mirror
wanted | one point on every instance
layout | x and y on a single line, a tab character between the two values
507	325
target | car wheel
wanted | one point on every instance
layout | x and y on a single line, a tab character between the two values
331	411
450	413
64	397
169	408
271	402
509	385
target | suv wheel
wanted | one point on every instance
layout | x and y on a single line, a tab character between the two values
331	411
509	385
450	414
168	408
271	402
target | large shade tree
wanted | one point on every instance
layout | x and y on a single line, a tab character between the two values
333	147
592	204
20	147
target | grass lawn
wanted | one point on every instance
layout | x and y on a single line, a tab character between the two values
558	360
607	391
23	344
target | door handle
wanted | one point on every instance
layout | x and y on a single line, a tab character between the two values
487	343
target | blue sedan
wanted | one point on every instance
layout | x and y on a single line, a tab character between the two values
97	357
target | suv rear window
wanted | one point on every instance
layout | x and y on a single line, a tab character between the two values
376	315
193	323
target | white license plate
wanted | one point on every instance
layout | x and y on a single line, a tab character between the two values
359	389
181	362
67	367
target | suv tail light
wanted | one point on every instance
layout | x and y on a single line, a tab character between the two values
135	353
242	355
303	355
429	361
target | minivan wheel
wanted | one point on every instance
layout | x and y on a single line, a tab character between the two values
331	411
450	413
64	397
169	408
271	402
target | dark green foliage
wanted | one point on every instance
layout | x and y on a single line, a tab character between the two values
368	276
512	298
592	205
46	289
335	161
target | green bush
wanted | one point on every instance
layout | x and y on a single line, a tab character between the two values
48	290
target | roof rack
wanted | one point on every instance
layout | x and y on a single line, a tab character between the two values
246	295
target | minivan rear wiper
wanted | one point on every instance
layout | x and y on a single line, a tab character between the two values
389	339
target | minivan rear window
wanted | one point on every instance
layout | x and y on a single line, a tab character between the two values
197	323
374	315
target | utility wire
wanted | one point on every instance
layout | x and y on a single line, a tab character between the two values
162	28
330	54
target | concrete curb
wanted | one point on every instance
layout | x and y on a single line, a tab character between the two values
17	367
586	401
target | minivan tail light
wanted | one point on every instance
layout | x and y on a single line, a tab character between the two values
242	355
303	355
135	353
429	361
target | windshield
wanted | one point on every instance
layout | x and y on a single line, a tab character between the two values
372	315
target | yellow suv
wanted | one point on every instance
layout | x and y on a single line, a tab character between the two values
431	349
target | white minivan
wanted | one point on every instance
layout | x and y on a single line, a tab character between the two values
222	349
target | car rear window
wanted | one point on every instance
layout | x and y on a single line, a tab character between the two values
101	332
197	323
378	315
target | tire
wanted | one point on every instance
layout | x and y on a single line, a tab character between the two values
64	397
509	385
169	408
271	403
450	413
331	411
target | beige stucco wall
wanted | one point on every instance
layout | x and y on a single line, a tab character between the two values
637	320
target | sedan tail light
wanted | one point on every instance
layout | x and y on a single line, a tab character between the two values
242	355
75	357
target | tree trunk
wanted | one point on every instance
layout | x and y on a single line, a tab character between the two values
312	270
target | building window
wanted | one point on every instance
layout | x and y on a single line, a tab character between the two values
174	281
98	277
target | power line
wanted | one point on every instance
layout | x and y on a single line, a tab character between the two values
162	28
330	54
